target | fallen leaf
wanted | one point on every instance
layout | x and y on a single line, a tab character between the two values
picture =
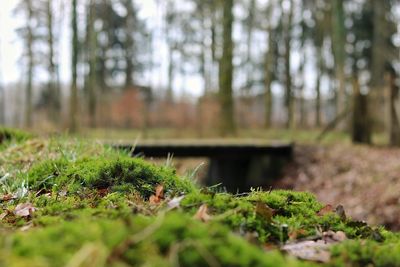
334	237
309	250
270	247
159	195
26	227
24	209
325	210
293	235
340	236
103	192
175	202
202	214
264	211
7	197
341	212
315	250
3	215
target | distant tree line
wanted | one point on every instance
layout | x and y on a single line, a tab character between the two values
242	49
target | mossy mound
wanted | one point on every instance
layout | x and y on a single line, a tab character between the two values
7	135
115	173
76	203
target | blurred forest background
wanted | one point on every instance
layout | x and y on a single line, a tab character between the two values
213	67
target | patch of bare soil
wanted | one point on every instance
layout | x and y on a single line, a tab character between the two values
365	180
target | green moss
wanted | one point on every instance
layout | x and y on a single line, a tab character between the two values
8	135
91	200
120	173
153	241
368	252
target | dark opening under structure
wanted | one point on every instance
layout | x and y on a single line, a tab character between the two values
237	166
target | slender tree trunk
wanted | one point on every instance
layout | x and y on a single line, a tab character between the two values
170	91
288	76
318	88
129	45
74	86
361	132
268	68
250	27
378	59
2	97
2	104
53	86
29	84
302	104
214	23
268	80
394	114
339	35
92	86
227	123
171	50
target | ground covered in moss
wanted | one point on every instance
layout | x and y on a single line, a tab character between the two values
76	203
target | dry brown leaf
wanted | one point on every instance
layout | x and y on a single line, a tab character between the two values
103	192
202	213
293	235
7	197
341	212
24	209
315	250
26	227
334	237
325	210
159	195
264	211
309	250
175	202
3	215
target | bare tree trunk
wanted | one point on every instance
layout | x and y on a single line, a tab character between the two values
302	104
227	123
250	28
268	81
338	42
2	97
129	44
29	83
92	86
378	59
361	132
394	111
2	104
318	89
74	86
53	86
170	91
288	76
268	68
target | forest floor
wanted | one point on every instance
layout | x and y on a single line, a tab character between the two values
74	203
366	180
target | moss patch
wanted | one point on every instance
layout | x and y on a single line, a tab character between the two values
116	174
7	134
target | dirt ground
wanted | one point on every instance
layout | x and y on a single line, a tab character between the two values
365	180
